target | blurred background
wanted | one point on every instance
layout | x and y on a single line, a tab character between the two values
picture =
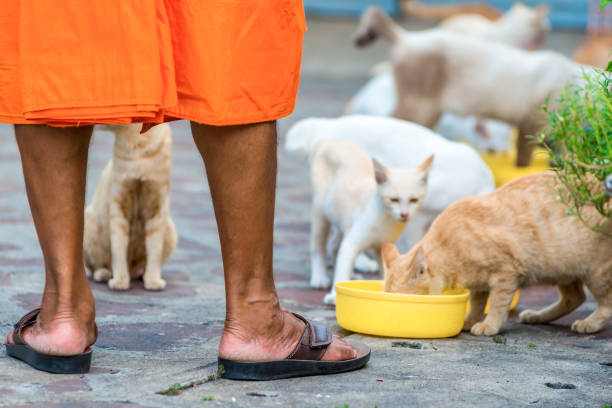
333	69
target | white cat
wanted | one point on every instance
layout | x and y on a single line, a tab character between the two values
438	71
457	171
521	26
367	202
379	97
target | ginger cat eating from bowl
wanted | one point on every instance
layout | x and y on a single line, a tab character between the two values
515	237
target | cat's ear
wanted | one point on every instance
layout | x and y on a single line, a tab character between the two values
380	172
389	253
424	167
420	264
543	10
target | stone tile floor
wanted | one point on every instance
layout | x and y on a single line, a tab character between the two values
149	341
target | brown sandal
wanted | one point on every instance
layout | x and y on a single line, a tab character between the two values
304	360
77	364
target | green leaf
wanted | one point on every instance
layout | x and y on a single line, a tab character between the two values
609	67
604	3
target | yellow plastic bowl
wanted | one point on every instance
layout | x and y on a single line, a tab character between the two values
363	307
503	168
515	300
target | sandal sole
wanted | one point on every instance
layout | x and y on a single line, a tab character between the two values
276	370
78	364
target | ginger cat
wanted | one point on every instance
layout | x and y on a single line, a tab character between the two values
515	237
368	203
596	51
438	71
128	229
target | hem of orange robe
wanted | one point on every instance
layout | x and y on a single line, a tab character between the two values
174	115
123	101
242	120
18	120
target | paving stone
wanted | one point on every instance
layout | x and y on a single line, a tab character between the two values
69	385
151	340
154	336
29	301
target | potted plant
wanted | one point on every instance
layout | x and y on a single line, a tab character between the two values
580	125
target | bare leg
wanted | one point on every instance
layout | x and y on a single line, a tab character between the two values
572	296
241	168
54	165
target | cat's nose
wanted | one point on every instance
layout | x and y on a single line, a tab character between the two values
404	216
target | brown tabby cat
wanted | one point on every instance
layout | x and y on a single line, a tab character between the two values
128	229
517	236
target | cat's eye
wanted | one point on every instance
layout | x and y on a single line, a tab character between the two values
414	200
394	200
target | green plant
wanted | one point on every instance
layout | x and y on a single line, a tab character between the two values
531	345
208	398
580	124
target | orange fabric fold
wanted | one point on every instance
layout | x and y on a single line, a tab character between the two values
220	62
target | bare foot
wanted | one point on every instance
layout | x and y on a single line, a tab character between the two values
274	339
60	330
62	337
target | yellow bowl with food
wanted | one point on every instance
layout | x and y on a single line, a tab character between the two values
363	307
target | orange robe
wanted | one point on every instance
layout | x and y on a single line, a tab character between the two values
219	62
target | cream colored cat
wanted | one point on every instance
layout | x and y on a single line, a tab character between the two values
438	71
430	11
128	229
368	203
522	26
515	237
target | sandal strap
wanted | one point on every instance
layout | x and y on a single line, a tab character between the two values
27	320
314	341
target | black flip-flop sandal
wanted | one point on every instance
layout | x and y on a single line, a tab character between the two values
77	364
305	359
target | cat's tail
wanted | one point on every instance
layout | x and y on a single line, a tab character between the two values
301	137
444	11
374	23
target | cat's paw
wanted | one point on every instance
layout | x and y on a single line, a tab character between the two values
320	281
530	316
119	284
330	298
102	275
584	326
365	264
155	284
483	329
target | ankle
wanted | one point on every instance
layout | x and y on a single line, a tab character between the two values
76	305
252	319
270	335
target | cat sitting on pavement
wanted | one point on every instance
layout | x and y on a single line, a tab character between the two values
128	229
